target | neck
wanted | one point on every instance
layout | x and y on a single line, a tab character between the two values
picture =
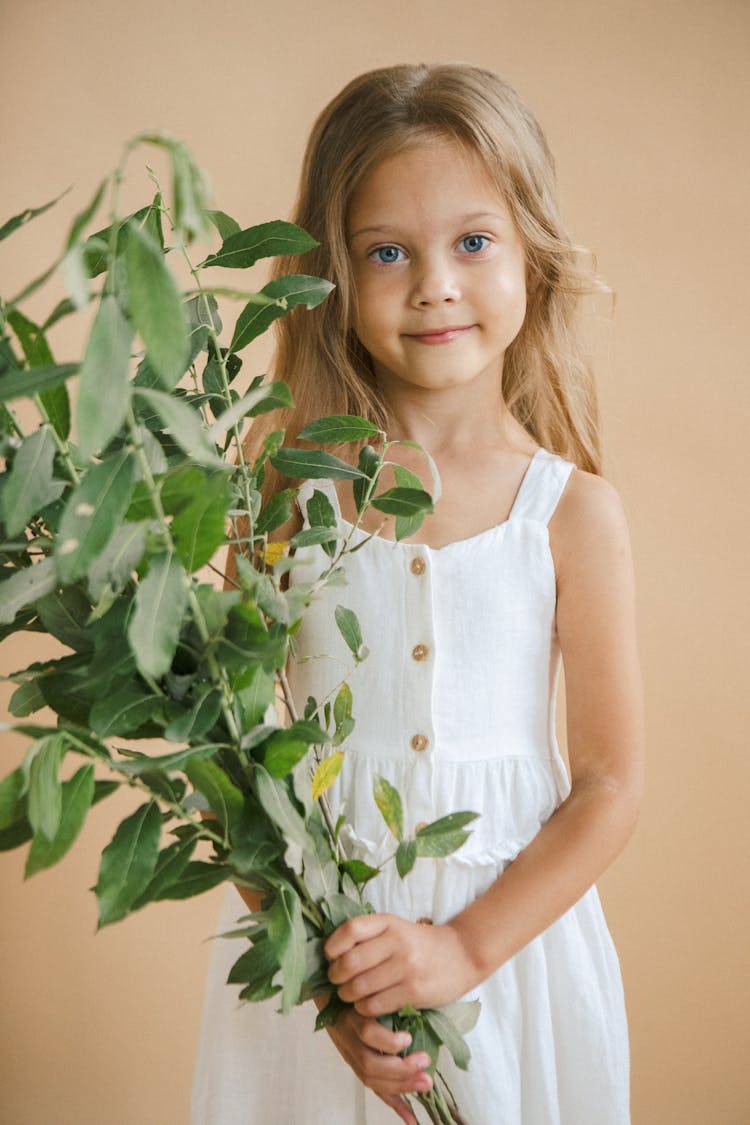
452	420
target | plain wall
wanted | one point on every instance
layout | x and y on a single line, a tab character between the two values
645	105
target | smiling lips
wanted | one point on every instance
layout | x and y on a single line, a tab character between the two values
440	335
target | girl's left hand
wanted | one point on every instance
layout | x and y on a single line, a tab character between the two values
380	962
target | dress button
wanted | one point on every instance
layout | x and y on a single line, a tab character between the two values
420	652
418	565
424	921
419	742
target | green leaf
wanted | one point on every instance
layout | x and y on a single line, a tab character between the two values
313	464
83	218
26	384
244	248
342	714
198	529
370	463
359	871
64	615
403	501
276	512
255	694
406	856
25	587
94	509
261	400
286	293
29	485
450	823
190	192
225	799
329	1015
37	351
104	390
77	795
312	536
348	624
283	751
122	712
196	879
154	628
225	224
389	802
170	865
25	216
184	424
320	511
26	699
45	789
12	798
274	798
198	721
405	478
445	1030
336	428
74	273
326	773
444	836
113	566
61	310
156	307
340	908
128	863
256	966
15	835
424	1039
407	525
286	933
165	763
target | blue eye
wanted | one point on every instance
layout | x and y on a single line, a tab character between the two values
387	254
473	243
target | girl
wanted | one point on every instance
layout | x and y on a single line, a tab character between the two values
430	189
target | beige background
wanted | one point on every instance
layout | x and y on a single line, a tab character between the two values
645	105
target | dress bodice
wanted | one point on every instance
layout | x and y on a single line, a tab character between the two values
455	703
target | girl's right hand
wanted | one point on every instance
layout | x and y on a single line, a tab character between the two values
372	1051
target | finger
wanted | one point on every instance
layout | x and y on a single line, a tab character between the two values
363	956
380	1038
384	978
353	931
380	1003
401	1108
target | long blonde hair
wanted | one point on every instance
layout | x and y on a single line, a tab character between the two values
546	381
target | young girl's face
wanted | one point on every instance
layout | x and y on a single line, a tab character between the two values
438	267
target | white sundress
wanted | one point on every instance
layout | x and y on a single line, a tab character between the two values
455	706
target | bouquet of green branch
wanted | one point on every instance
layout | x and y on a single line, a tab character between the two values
101	541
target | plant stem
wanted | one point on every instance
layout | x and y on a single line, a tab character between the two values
62	446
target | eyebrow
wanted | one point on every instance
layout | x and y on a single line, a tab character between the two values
472	217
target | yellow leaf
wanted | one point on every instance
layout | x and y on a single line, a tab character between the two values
326	773
275	551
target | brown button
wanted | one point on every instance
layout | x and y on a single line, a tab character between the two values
424	921
418	565
420	652
419	742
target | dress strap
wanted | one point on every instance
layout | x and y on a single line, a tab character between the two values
541	487
306	489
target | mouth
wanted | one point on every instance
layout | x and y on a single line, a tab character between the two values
440	335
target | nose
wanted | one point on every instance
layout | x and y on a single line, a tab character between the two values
435	282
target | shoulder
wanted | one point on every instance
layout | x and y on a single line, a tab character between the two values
589	525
